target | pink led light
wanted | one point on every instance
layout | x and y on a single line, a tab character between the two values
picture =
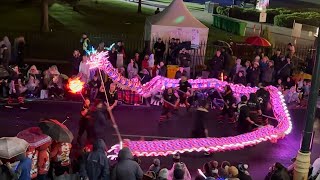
168	147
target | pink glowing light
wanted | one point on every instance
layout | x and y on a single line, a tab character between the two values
168	147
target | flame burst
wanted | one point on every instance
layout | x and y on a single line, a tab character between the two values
75	85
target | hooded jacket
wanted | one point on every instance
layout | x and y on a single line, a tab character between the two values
96	163
5	173
126	168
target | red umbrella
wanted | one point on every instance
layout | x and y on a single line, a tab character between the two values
34	137
258	41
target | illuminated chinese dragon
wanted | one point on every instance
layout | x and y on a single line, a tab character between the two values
167	147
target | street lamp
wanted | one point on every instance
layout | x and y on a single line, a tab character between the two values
302	163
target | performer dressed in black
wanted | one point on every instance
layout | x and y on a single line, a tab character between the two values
200	127
84	123
184	91
255	108
245	124
229	105
98	116
112	95
170	102
263	97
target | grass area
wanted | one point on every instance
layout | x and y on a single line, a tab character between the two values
18	16
107	20
110	16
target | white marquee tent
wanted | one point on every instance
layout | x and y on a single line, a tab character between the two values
176	21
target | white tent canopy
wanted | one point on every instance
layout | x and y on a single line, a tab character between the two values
176	21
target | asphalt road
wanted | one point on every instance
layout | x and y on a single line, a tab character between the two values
141	120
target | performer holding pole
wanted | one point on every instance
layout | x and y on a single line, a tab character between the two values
255	108
84	123
246	124
200	127
170	102
184	91
109	109
229	105
263	97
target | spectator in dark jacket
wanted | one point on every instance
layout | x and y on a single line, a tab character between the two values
76	59
184	61
276	58
5	56
254	74
113	57
5	173
267	73
181	72
227	63
240	78
145	76
216	65
96	163
162	69
285	68
126	168
243	172
159	48
278	172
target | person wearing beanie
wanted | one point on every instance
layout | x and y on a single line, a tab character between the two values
243	172
233	173
178	174
163	174
155	167
177	164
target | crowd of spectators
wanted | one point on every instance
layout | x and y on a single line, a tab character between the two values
92	163
276	70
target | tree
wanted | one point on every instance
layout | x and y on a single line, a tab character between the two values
139	6
266	33
44	16
45	12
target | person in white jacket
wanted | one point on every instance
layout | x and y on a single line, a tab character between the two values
84	70
151	63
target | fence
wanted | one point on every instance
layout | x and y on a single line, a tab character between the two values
60	45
